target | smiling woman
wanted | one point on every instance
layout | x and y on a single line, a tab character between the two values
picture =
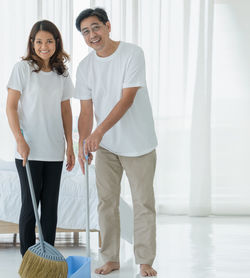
39	114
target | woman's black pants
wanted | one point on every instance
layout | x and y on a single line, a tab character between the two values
46	176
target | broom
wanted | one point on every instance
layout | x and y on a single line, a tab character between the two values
41	260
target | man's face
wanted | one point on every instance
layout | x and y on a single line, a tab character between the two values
95	33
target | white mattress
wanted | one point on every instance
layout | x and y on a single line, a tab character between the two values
71	207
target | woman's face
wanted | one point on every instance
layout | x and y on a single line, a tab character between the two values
44	45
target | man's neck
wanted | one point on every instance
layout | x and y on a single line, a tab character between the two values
109	50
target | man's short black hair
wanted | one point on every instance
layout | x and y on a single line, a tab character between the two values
98	12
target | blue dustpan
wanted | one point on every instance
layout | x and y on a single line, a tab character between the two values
78	266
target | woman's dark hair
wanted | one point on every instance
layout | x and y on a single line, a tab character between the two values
98	12
57	61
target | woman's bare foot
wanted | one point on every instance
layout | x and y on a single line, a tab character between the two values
107	268
147	270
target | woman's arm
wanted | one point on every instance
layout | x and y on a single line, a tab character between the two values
67	125
11	110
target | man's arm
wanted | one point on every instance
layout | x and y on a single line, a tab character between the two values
67	126
127	99
85	125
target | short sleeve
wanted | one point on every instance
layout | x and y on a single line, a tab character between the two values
18	77
82	90
135	72
68	89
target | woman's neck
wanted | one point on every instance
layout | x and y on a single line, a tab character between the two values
46	67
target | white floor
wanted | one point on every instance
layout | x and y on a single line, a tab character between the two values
188	247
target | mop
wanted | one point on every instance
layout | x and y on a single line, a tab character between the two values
41	260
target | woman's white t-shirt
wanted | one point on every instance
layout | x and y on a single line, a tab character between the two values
102	80
39	110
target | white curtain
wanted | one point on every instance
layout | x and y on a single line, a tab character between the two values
200	175
16	20
231	108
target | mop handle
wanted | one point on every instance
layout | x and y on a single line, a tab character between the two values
86	166
32	193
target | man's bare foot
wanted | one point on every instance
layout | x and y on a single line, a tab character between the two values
107	268
147	270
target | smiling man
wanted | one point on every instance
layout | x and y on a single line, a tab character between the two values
111	82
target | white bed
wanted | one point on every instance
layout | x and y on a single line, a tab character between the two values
71	206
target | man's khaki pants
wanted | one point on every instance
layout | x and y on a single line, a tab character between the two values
140	172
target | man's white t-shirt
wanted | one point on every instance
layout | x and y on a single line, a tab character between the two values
102	80
39	110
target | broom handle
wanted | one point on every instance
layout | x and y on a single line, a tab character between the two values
86	166
32	193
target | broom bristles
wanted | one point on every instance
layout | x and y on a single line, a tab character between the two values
34	266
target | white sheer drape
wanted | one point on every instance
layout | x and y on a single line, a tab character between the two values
16	19
200	182
231	108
